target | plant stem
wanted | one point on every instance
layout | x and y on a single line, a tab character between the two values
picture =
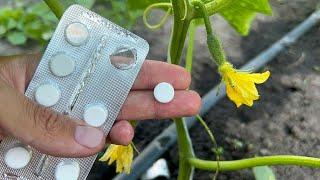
213	7
180	29
215	48
185	150
182	17
56	7
189	58
206	127
213	140
257	161
179	34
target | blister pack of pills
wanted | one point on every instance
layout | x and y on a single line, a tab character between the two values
86	72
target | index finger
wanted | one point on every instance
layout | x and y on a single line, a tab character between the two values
155	72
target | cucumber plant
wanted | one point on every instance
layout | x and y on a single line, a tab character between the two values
240	85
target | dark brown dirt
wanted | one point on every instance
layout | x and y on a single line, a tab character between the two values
286	118
284	121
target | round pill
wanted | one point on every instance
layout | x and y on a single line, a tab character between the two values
163	92
47	95
67	170
17	157
95	115
62	65
77	34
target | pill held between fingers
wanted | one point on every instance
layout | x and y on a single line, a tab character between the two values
163	92
67	170
77	34
17	157
47	95
95	115
62	65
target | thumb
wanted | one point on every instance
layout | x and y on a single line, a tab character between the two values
45	130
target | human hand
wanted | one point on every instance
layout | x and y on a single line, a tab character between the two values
59	135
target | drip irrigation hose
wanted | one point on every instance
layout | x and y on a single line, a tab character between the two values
168	137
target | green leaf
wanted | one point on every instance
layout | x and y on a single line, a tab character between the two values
41	10
263	173
38	9
27	21
15	13
16	38
119	12
239	19
240	13
260	6
5	11
11	24
3	30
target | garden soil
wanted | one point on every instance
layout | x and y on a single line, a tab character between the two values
286	119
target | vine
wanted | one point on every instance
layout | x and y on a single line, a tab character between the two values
185	12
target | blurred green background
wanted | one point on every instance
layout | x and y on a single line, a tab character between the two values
22	21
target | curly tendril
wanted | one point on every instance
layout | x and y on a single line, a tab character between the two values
185	10
148	10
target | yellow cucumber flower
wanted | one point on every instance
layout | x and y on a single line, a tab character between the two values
123	156
240	85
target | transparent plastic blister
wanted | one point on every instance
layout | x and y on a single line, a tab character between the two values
100	62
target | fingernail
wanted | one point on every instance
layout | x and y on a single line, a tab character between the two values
88	136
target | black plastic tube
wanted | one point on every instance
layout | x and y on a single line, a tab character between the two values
169	136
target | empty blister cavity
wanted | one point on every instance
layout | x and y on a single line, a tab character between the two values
47	94
62	65
67	170
17	157
164	92
77	34
95	115
123	58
